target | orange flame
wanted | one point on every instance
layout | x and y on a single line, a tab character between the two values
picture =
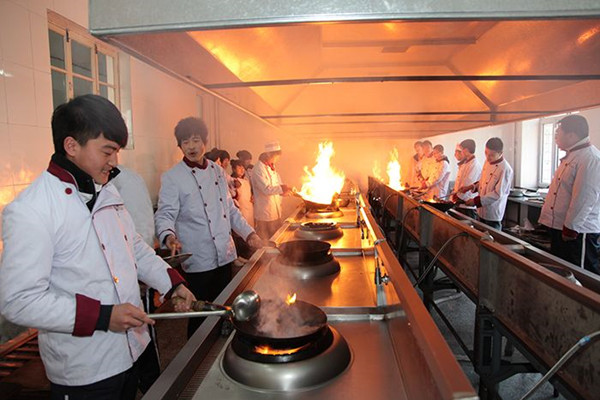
393	171
322	182
276	352
291	299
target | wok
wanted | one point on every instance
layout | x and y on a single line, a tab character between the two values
440	205
310	317
304	251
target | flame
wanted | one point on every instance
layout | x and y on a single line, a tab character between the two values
323	182
377	171
291	299
276	352
393	171
587	35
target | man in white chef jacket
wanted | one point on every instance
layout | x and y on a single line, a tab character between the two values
493	187
439	176
72	260
469	172
428	163
196	215
268	189
415	165
572	207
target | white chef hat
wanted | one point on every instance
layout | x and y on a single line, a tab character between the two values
272	146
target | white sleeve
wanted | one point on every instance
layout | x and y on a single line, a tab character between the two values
261	183
26	298
168	208
585	195
501	187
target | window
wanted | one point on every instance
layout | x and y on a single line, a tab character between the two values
550	154
79	63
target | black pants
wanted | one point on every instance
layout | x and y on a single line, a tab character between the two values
492	224
207	286
122	386
571	250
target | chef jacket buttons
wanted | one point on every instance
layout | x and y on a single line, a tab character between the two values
216	183
205	205
116	279
209	221
193	171
199	187
213	238
221	199
68	190
224	216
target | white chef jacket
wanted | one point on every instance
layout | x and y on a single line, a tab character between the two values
244	199
494	188
573	198
61	262
194	204
266	184
438	179
428	167
469	172
135	195
414	170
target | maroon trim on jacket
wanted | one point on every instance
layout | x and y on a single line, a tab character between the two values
86	315
270	165
176	280
581	146
570	233
193	164
498	161
61	173
477	201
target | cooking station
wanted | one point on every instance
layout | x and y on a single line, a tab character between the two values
368	334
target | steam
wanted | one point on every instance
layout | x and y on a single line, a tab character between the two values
277	319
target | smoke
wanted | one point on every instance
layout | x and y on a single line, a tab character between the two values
277	319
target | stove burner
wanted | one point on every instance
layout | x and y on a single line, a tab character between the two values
321	361
305	270
326	212
273	353
319	231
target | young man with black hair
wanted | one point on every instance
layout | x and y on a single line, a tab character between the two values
428	163
469	172
494	186
437	180
572	207
72	260
196	215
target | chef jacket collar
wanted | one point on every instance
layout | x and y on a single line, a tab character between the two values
444	159
498	161
270	165
65	170
582	144
466	160
193	164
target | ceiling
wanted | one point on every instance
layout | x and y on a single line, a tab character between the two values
397	78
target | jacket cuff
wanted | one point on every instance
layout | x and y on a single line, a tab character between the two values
87	312
104	317
569	232
477	201
176	280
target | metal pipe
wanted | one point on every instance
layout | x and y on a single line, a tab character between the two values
431	264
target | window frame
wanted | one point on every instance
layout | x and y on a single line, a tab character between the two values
72	31
557	154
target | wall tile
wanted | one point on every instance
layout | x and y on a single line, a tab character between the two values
15	35
39	42
5	170
20	94
40	7
43	98
31	148
3	115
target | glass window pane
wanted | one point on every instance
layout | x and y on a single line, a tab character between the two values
102	67
81	86
547	146
108	92
82	59
57	49
59	88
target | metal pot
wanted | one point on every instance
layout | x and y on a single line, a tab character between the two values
440	205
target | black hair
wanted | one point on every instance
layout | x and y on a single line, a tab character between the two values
244	155
87	117
439	148
426	142
224	155
495	144
236	163
576	124
468	144
213	154
188	127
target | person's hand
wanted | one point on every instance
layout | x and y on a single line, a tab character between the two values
173	244
125	316
470	202
186	299
454	198
286	190
424	185
568	235
237	183
464	189
254	241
